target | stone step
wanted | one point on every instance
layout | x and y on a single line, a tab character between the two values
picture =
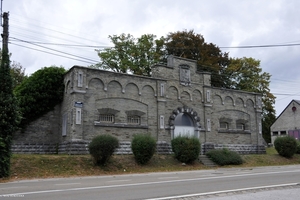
206	161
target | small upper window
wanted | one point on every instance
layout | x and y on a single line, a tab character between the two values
223	125
107	118
134	120
282	132
275	132
80	79
240	126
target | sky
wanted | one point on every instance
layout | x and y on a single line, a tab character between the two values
65	33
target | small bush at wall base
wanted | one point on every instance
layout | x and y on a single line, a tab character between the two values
286	146
143	148
225	157
298	147
102	147
186	149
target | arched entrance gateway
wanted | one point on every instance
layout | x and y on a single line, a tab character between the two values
185	122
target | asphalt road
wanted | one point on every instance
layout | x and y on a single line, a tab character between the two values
171	185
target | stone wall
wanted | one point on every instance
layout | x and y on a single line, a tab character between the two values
175	91
162	147
239	148
44	130
78	148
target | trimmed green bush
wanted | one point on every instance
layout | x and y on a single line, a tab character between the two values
225	157
186	149
286	146
143	148
102	147
298	147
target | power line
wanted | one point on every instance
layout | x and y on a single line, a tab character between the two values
54	53
60	44
261	46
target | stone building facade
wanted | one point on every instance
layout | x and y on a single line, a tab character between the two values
175	100
288	122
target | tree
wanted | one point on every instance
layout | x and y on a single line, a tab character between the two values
209	57
17	73
245	74
40	93
130	55
9	116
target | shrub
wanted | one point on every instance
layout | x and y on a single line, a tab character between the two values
286	146
225	157
143	148
102	147
298	147
186	149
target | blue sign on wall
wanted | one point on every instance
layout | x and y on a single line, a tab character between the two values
78	104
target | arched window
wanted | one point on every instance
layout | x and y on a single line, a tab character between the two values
240	126
224	125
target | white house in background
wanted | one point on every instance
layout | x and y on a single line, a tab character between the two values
288	122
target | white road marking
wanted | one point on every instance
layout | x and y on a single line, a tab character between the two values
118	181
67	184
170	177
150	183
223	191
13	187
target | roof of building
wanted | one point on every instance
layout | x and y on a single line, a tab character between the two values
297	101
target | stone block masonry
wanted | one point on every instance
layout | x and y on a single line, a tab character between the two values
162	147
176	100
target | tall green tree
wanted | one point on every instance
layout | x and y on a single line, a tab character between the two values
9	116
209	57
131	55
246	74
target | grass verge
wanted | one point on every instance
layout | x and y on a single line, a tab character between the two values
28	166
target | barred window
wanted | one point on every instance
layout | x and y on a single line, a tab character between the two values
275	132
240	126
282	132
134	119
107	118
223	125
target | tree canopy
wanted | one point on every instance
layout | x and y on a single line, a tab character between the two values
130	55
245	74
17	73
209	57
40	93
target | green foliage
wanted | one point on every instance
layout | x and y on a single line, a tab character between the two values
245	74
40	93
5	155
131	55
102	147
209	57
186	149
143	148
17	73
286	146
225	157
9	115
298	147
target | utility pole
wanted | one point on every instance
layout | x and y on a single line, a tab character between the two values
5	33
